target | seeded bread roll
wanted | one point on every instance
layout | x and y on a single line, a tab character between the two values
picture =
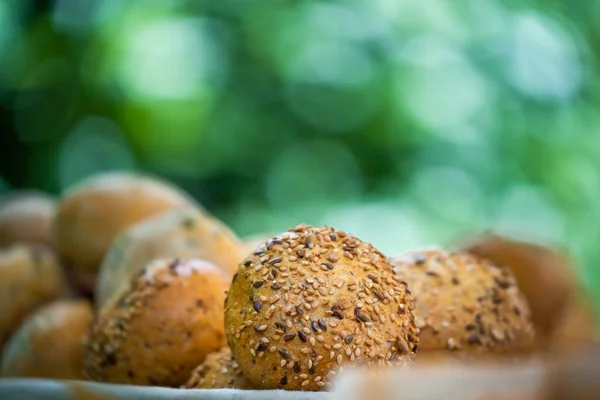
26	217
543	276
312	300
219	370
29	276
49	343
163	326
185	232
465	304
90	216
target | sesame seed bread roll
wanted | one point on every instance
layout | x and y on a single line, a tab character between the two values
26	217
186	232
465	304
218	371
49	343
312	300
29	277
543	276
90	215
163	326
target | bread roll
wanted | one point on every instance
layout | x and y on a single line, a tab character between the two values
49	343
26	217
30	275
312	300
162	327
91	215
185	232
465	304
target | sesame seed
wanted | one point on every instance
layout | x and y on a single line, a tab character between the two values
284	380
314	326
339	359
275	260
306	382
297	367
263	298
322	324
276	286
299	310
306	330
256	306
272	349
289	336
280	325
262	346
347	340
320	383
282	363
311	340
284	353
258	284
474	339
331	355
348	351
305	350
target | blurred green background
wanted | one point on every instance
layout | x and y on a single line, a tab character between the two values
406	122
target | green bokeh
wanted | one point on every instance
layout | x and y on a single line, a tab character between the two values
407	122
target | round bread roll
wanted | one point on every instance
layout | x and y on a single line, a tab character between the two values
465	304
544	277
30	275
185	232
90	216
49	343
312	300
163	326
26	217
219	370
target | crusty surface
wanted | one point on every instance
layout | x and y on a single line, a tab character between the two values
312	300
465	304
49	343
544	276
185	232
163	326
219	370
26	217
29	276
94	212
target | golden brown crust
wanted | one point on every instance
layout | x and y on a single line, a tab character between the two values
545	277
49	343
26	217
312	300
29	276
162	327
185	232
465	304
219	370
94	212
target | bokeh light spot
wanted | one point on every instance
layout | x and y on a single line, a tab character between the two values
94	145
543	61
